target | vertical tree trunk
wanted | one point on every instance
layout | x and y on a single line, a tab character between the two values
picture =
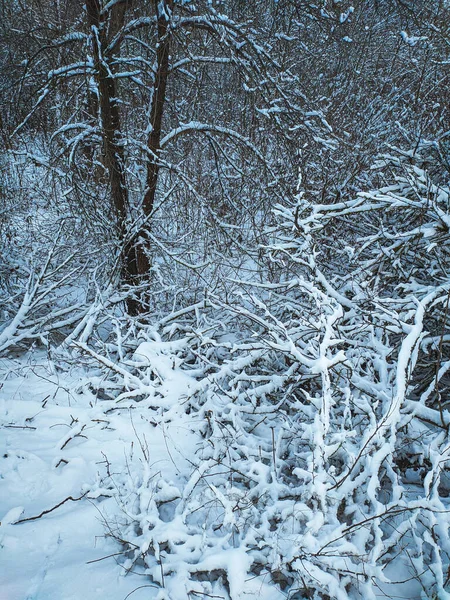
109	113
104	26
164	11
111	127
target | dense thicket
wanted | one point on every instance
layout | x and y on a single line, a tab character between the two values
261	191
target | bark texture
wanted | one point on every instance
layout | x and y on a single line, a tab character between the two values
104	25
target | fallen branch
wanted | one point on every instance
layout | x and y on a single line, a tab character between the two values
46	512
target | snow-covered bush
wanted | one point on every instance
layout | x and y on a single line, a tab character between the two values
321	462
54	270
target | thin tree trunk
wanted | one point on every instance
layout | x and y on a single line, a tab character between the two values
164	10
111	126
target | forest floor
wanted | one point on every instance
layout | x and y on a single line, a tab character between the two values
59	442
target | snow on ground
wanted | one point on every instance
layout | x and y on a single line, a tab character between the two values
57	442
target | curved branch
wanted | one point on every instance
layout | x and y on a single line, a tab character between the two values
208	128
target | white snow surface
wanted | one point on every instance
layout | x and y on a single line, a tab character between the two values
43	462
58	441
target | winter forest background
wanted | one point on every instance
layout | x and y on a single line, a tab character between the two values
224	299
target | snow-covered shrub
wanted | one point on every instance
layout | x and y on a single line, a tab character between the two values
52	267
398	255
321	463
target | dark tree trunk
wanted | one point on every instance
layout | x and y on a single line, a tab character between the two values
104	26
111	126
164	10
158	100
109	113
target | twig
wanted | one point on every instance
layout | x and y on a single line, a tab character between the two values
205	594
46	512
274	453
140	588
89	562
72	438
79	434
